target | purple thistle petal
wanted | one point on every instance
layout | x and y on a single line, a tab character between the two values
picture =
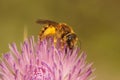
44	61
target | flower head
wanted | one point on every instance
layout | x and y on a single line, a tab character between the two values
43	61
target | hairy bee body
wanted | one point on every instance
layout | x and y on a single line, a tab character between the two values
59	31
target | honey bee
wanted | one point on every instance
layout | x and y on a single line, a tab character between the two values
59	31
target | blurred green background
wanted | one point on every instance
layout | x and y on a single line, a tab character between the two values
96	22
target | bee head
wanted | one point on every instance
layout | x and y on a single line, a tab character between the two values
71	40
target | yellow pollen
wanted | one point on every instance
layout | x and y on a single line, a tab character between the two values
49	30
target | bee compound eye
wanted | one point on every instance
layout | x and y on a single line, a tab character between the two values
71	36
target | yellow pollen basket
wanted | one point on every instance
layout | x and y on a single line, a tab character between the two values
49	30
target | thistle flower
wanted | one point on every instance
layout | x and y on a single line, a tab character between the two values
43	61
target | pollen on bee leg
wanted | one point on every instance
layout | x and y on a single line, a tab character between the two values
50	30
55	41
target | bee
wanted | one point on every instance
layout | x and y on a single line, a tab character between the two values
59	31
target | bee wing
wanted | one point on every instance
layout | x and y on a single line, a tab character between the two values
49	22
